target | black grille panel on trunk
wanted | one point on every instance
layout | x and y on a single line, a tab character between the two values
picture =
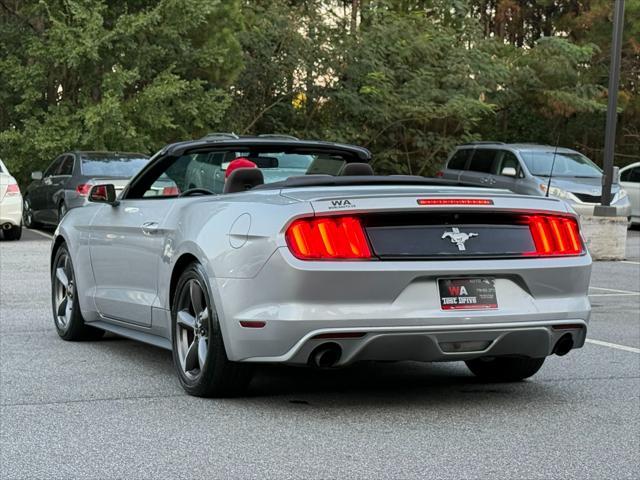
448	235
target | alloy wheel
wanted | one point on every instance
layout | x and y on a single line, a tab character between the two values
64	292
27	214
192	329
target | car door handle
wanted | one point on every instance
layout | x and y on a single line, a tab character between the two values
150	228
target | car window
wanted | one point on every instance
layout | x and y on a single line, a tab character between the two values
66	167
506	159
53	168
459	159
565	164
172	176
482	160
631	175
122	165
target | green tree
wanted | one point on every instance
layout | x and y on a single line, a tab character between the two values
97	74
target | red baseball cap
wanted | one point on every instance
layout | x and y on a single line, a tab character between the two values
240	162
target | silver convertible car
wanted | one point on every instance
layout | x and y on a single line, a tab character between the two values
324	269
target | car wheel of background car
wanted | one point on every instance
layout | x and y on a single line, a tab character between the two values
505	369
198	349
64	299
14	233
62	211
27	215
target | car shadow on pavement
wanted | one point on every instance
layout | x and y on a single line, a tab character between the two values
364	383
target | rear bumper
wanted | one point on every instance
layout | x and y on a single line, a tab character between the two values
11	210
396	306
438	343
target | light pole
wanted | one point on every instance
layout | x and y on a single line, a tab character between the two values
612	105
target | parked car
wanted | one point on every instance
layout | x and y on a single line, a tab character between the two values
525	168
630	181
10	205
325	269
65	184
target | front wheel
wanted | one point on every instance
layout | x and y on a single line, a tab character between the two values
199	355
64	301
505	369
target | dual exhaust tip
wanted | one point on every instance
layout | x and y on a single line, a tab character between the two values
326	355
564	345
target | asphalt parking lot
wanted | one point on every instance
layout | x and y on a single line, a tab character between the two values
114	408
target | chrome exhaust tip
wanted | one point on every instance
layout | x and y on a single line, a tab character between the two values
326	355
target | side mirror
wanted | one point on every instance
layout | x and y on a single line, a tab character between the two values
37	175
105	193
509	172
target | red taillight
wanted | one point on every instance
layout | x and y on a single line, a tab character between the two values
12	189
83	189
440	174
328	238
554	236
454	201
170	191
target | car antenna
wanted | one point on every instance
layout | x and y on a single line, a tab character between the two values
553	162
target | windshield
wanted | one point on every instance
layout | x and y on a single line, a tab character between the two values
566	164
208	170
112	164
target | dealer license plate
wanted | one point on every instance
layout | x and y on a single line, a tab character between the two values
467	293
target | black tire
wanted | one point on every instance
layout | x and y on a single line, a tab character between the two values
62	211
72	328
27	215
505	369
14	233
218	377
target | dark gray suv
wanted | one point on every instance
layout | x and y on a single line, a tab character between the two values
65	184
525	168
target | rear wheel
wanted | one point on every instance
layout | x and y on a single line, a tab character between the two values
27	215
198	348
62	211
14	233
505	369
64	301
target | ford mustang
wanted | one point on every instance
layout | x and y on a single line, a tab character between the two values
329	267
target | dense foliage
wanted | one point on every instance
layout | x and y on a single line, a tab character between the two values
407	78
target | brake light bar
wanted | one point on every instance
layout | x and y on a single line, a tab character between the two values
555	236
328	238
454	201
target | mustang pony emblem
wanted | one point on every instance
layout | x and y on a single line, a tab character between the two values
458	237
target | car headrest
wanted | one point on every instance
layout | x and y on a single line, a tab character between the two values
243	179
356	169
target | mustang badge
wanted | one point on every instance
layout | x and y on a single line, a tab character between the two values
458	237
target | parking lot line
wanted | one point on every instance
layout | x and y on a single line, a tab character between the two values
613	294
630	292
631	262
46	235
613	345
